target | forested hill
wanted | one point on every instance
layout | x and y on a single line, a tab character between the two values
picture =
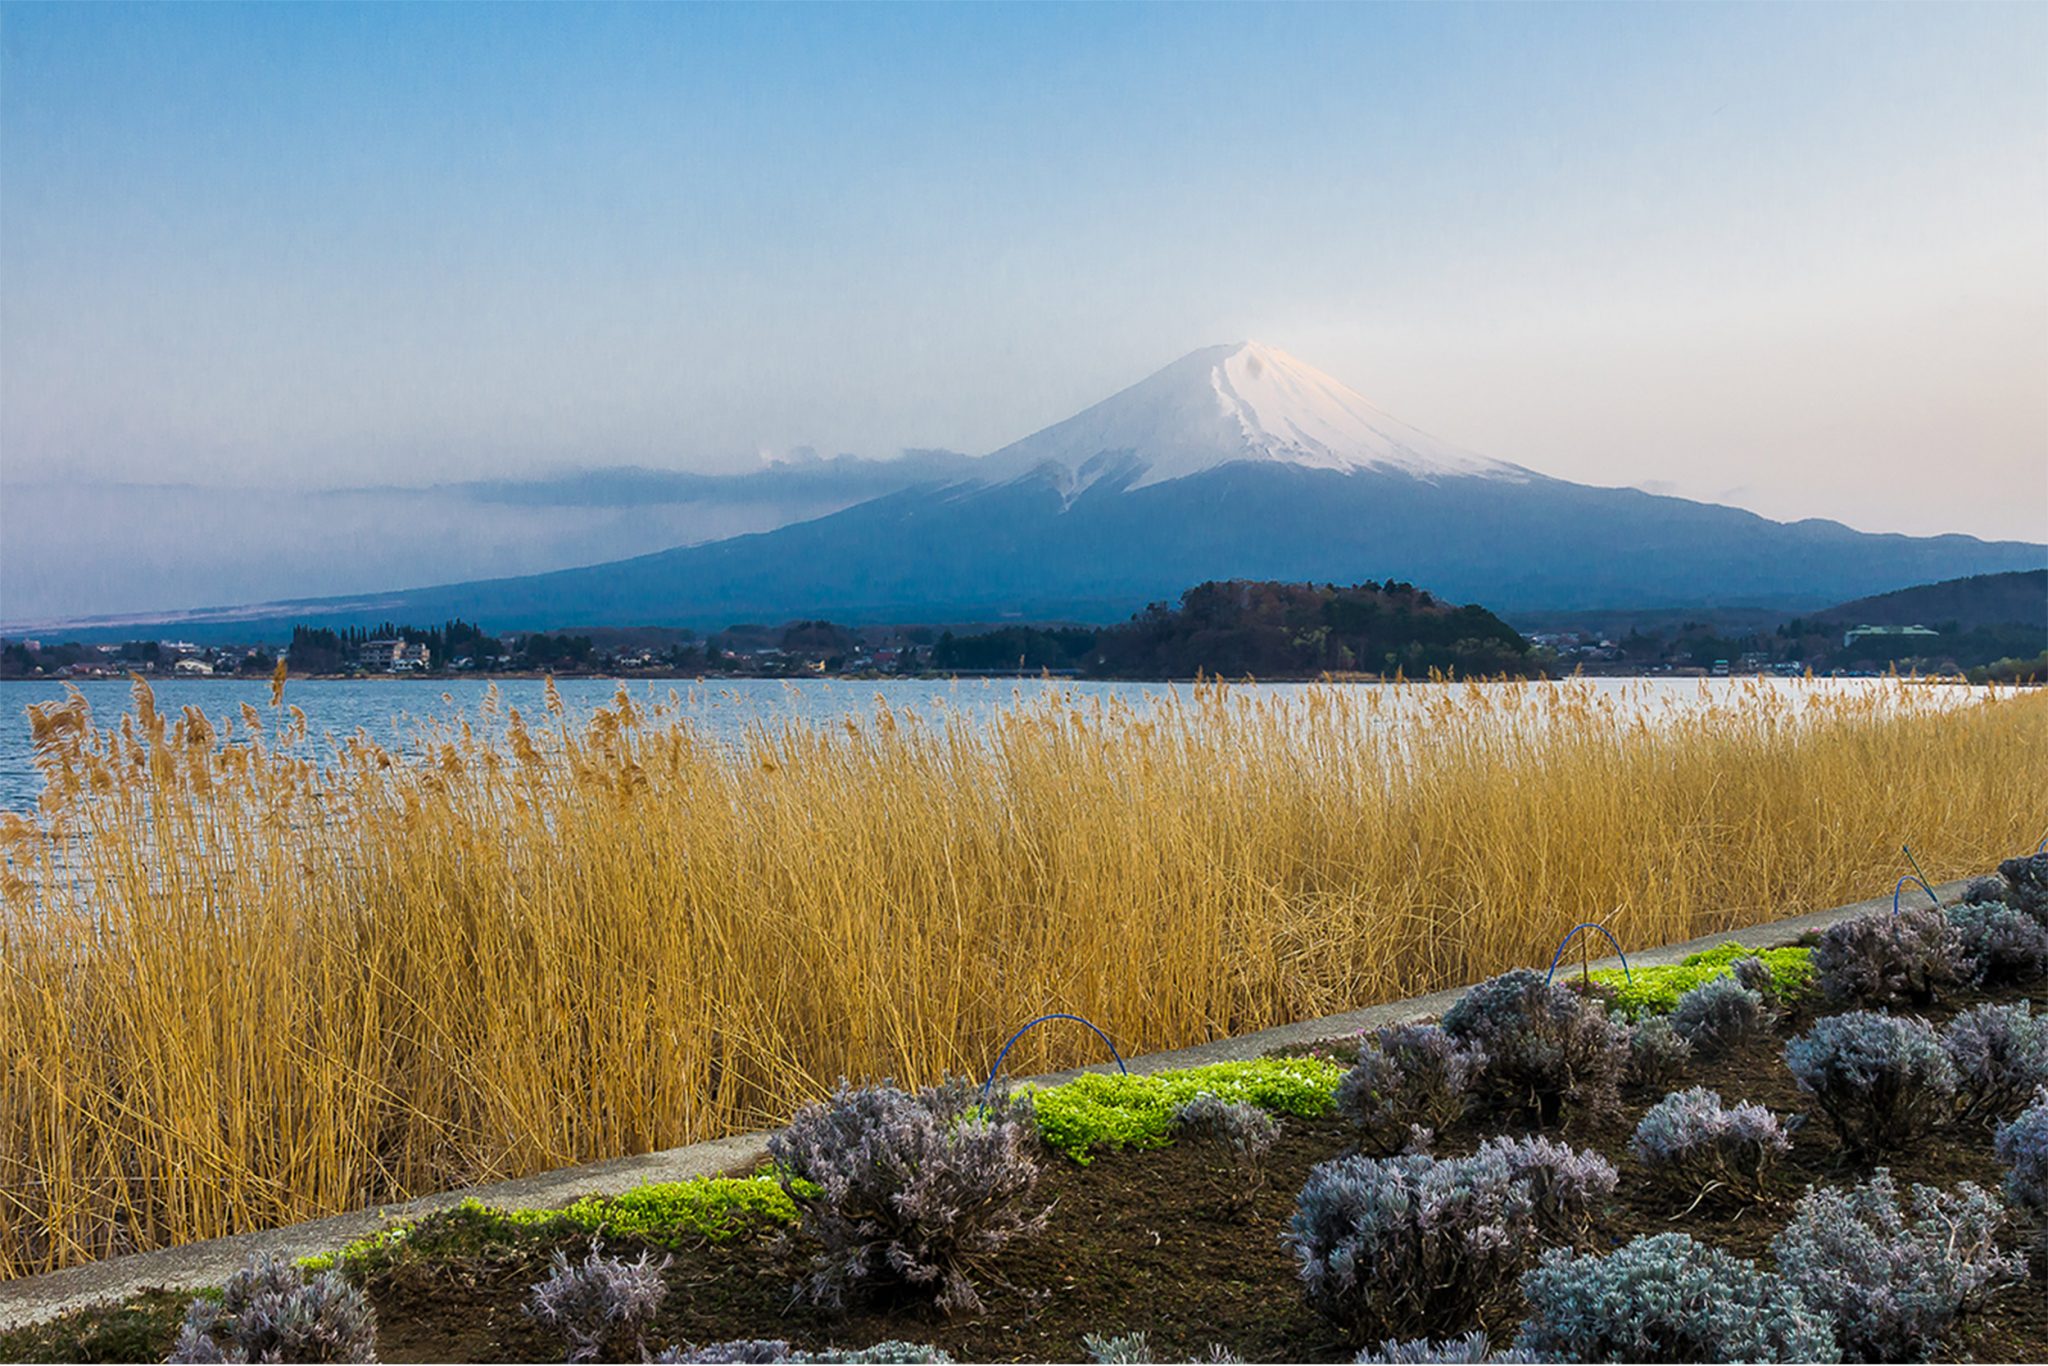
2017	599
1268	630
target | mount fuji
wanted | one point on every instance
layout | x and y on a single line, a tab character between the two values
1235	461
1246	402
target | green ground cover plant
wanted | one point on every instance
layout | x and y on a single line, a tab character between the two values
665	1214
1655	991
1100	1111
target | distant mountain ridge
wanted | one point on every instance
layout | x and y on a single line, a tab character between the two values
1235	462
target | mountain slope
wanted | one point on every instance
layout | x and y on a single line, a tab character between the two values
1233	463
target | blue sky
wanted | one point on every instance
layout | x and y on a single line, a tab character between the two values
1786	256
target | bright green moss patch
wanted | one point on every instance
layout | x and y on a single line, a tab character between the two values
715	1208
1099	1110
667	1214
1656	990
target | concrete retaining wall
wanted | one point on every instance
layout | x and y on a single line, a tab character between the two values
195	1265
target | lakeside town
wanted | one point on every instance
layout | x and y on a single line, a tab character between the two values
822	648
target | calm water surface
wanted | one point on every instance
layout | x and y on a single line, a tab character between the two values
725	707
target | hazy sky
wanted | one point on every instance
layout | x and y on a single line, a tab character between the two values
1793	257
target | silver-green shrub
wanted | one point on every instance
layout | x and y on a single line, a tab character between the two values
2023	1147
1407	1077
1881	959
2000	1053
1720	1014
1122	1349
1666	1298
1548	1052
599	1304
269	1311
907	1192
1882	1080
1894	1283
1691	1141
1469	1350
1135	1349
2026	884
894	1352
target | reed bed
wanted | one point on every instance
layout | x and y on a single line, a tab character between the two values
250	976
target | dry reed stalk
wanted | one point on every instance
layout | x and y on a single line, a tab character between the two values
239	987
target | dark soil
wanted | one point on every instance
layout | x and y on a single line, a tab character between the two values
1159	1241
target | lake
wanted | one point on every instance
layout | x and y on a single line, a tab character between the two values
724	707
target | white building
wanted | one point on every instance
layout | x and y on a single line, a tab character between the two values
392	656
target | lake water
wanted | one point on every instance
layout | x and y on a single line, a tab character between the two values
725	707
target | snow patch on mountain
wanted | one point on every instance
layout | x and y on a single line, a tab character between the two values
1244	401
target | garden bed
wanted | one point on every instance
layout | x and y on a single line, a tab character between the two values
1170	1241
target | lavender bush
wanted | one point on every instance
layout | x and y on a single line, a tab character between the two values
1755	974
1990	887
1546	1050
1469	1350
2000	1054
1882	1080
1895	1284
752	1350
599	1303
1657	1056
269	1311
1243	1130
738	1352
1721	1013
1402	1246
1408	1076
1691	1141
1999	944
1568	1187
907	1192
1881	959
2026	882
1666	1298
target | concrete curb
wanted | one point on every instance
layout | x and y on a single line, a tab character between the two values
196	1265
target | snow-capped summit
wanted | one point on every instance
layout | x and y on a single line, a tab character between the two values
1243	401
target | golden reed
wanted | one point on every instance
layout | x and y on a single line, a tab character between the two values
249	977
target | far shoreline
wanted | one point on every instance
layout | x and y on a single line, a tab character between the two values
536	676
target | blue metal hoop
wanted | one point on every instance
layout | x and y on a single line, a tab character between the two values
1565	943
2042	847
994	1071
1900	886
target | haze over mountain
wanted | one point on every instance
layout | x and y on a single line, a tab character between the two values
1235	461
